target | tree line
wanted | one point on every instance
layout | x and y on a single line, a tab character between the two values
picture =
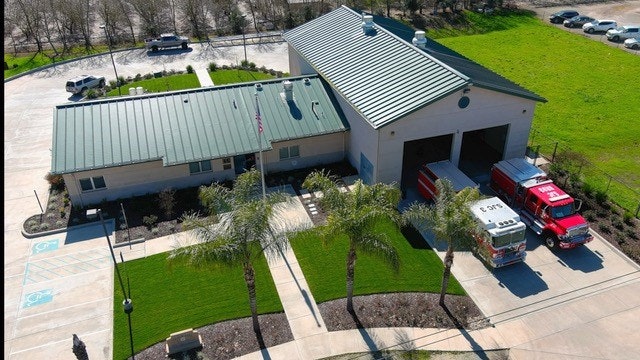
61	25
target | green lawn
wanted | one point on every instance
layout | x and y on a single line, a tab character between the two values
222	77
169	298
190	81
165	83
324	267
593	96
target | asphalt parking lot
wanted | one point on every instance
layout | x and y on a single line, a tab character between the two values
623	12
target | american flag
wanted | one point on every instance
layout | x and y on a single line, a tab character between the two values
258	116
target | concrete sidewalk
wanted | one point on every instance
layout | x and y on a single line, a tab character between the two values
203	77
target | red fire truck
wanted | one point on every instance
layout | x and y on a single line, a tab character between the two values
542	205
500	234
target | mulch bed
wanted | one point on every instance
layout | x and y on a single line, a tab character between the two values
231	339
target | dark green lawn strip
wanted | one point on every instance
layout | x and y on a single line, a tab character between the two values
324	268
168	298
223	77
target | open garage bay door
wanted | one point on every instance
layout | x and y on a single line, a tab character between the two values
418	152
481	149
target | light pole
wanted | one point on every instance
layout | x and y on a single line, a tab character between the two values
244	39
127	304
106	35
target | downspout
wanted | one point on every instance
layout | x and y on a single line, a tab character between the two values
375	180
75	184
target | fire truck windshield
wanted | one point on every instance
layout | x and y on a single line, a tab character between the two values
509	238
558	212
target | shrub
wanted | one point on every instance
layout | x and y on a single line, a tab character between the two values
604	228
150	220
155	231
55	181
138	77
44	226
92	94
617	224
589	215
601	196
588	189
244	64
148	76
189	69
60	223
213	67
627	217
167	201
631	234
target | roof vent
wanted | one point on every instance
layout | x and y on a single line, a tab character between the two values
307	81
419	40
288	90
258	87
367	23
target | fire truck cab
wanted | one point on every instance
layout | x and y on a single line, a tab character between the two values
501	235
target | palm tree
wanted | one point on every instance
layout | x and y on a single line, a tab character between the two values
449	218
353	214
240	228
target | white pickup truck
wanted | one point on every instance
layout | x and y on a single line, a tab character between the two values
167	41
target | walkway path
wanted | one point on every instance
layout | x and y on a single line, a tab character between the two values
203	77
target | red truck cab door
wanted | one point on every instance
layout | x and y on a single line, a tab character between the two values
532	204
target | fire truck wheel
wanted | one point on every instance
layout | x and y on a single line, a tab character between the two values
550	241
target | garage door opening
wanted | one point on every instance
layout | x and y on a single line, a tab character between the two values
481	149
420	152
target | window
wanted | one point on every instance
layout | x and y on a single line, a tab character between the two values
199	167
289	152
226	163
92	183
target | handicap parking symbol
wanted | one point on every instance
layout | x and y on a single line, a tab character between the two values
37	298
44	246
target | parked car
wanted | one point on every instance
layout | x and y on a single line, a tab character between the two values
167	40
633	43
560	16
577	21
599	26
623	33
82	83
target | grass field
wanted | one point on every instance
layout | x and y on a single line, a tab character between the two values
325	268
168	298
593	97
190	81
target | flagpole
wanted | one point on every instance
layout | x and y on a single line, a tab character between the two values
264	188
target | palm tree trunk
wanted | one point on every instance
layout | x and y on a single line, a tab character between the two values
448	262
351	264
249	278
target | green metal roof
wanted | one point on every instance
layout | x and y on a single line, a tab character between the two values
190	125
381	73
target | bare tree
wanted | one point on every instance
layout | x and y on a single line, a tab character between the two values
29	21
154	16
195	14
115	15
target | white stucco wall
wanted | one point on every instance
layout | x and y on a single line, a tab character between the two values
297	65
363	138
140	179
152	177
486	109
314	151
